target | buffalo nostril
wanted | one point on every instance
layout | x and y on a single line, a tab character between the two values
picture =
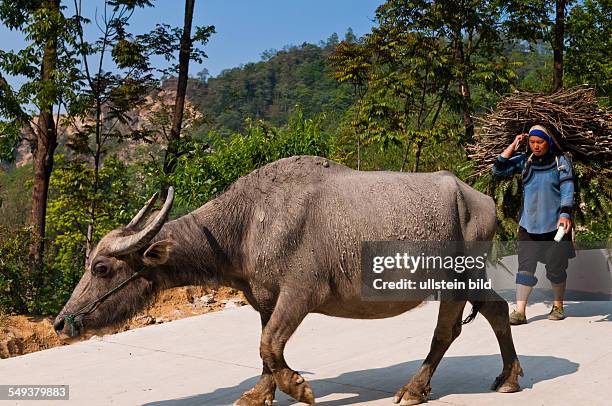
58	325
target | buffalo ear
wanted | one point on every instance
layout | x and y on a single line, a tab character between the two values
158	253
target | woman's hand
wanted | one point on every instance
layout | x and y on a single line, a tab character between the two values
518	139
567	224
507	153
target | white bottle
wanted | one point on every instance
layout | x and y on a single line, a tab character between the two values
560	233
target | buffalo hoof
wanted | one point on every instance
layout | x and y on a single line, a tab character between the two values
261	394
507	382
509	387
295	385
408	396
254	399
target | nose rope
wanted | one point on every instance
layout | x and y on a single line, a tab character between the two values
91	306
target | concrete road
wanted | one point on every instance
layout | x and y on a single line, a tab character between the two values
212	359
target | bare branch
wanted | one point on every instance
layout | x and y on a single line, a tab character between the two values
82	41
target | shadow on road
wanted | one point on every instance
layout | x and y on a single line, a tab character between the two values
581	309
455	375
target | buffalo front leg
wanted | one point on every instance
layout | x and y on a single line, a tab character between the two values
290	310
263	391
447	329
496	313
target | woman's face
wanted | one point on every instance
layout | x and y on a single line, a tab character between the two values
538	146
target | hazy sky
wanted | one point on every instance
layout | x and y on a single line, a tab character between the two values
245	28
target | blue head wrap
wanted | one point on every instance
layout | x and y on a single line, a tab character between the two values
539	133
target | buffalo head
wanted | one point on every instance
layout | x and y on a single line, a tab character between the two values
120	275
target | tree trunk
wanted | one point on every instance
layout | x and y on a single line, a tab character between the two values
96	181
181	90
464	91
97	90
46	142
464	88
417	156
358	135
406	151
558	46
419	124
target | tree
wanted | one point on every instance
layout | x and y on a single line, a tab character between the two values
558	45
589	46
537	20
351	63
409	86
48	64
103	105
185	54
472	31
104	108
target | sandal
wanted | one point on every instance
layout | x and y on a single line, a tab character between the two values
517	318
556	313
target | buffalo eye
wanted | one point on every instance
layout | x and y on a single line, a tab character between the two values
100	269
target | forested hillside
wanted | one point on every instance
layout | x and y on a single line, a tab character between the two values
301	75
270	89
297	76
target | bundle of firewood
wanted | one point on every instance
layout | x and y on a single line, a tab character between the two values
578	124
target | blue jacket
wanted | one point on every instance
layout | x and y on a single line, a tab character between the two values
548	189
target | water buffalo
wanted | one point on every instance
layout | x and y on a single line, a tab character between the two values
288	235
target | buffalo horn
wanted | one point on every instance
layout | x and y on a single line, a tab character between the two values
143	212
134	242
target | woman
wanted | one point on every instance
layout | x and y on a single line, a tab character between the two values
548	192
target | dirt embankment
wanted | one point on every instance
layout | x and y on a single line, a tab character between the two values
25	334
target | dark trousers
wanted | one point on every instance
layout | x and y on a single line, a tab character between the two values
534	248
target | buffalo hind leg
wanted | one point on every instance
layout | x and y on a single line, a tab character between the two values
447	329
290	310
496	313
263	391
